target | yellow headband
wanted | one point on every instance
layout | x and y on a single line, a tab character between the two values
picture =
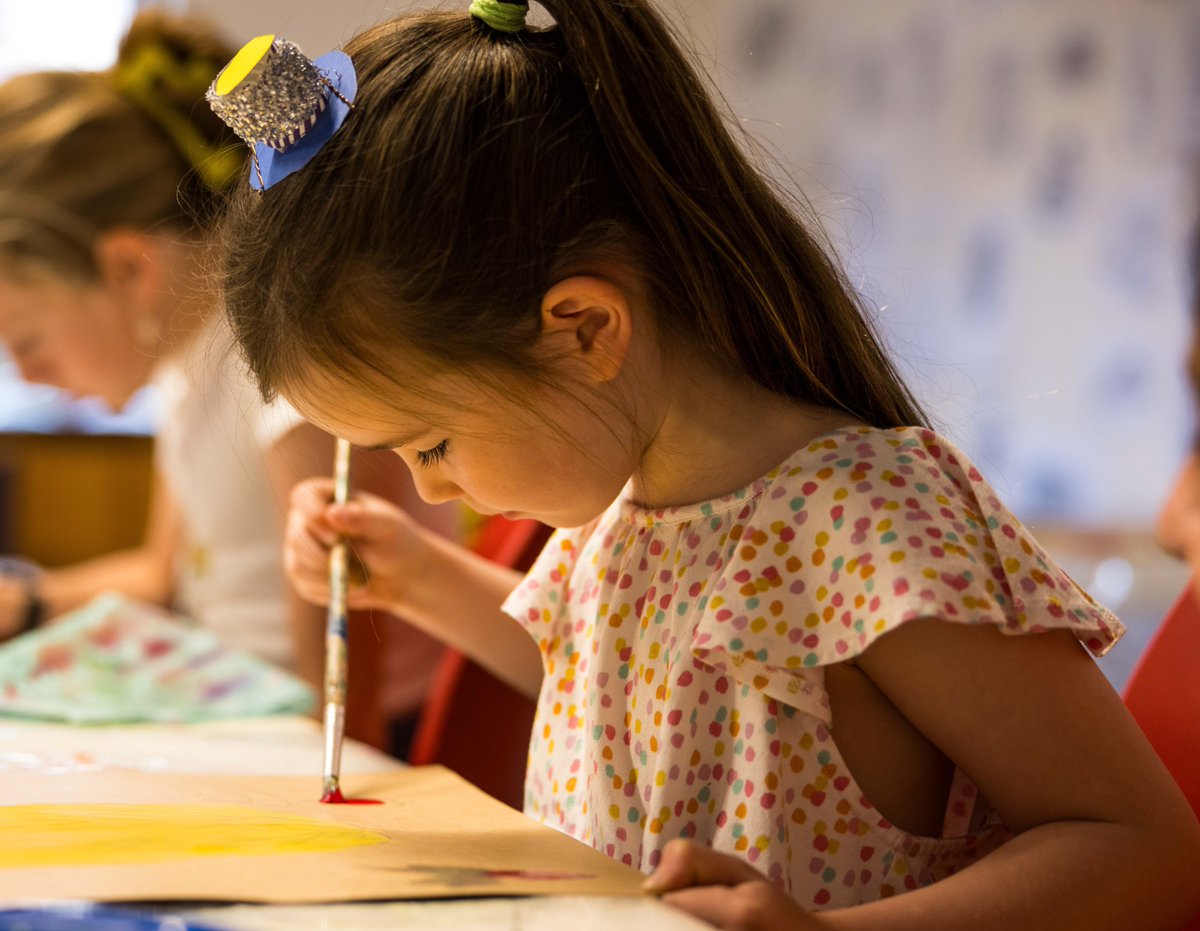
143	78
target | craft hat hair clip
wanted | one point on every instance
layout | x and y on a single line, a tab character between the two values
285	106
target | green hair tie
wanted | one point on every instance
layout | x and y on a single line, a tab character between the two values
501	16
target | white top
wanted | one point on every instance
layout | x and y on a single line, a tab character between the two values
211	452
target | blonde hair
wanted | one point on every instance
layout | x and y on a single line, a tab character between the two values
135	146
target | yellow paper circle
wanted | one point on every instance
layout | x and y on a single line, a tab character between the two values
245	61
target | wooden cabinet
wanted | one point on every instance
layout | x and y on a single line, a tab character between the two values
66	497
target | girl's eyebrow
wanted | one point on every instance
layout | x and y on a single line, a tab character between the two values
388	445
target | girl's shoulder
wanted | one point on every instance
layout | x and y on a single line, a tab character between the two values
871	469
869	451
856	466
864	530
858	532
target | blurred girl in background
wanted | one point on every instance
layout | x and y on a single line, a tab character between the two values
108	184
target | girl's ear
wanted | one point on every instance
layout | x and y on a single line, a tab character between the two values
134	274
588	320
131	265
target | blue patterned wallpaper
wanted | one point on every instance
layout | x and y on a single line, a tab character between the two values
1010	184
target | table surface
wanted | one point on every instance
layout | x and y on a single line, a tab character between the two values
288	746
273	746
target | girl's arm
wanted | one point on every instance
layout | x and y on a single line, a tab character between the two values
1104	837
459	602
438	586
303	451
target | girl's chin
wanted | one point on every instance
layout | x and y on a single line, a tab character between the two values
121	397
114	402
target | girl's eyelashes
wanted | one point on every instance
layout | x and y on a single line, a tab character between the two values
427	457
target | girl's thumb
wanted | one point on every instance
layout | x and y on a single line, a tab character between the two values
348	518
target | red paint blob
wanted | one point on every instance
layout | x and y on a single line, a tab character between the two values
335	797
531	875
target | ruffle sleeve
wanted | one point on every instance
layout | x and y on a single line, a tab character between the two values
865	531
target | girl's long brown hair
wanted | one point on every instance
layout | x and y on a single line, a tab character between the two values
79	157
478	167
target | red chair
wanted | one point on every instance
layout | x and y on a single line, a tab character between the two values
1163	695
472	722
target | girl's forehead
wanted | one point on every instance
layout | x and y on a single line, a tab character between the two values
386	412
355	412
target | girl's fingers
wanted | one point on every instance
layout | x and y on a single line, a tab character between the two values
312	494
302	553
307	523
685	864
372	527
367	518
13	603
708	903
352	519
311	590
308	511
752	906
359	596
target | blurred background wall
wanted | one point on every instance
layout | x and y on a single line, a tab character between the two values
1010	184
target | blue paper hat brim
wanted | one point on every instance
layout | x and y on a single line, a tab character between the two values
275	166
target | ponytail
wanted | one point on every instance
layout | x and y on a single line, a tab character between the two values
757	287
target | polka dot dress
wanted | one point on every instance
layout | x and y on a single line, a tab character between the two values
684	652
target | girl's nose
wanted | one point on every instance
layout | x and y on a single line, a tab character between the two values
435	488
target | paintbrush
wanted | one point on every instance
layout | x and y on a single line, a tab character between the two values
335	638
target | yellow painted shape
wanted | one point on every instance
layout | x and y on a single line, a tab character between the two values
245	61
96	835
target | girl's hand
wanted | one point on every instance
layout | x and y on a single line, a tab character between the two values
724	891
14	602
20	585
386	546
1178	526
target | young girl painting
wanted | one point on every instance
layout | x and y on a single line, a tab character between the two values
782	620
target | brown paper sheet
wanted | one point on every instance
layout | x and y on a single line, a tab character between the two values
131	836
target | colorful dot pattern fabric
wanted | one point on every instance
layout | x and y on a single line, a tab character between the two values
684	651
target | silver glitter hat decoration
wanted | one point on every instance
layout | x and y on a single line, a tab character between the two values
285	106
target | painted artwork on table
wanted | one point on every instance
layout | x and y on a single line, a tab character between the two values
129	836
118	661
